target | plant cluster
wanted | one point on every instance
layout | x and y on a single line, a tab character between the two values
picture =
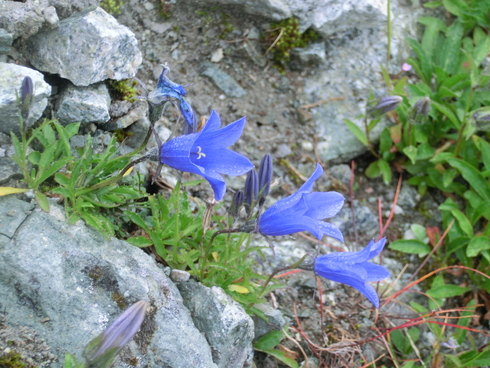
284	36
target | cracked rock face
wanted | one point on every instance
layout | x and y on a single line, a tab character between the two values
86	48
68	283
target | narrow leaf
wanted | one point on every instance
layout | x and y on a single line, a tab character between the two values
359	134
9	190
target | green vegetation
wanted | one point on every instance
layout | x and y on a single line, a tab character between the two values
284	36
124	89
12	360
440	136
113	7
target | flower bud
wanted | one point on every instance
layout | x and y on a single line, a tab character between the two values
251	191
422	106
101	351
387	104
26	97
236	204
265	176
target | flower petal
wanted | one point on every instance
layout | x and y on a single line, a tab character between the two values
330	230
220	138
213	123
280	225
323	205
375	272
308	185
223	161
376	248
217	183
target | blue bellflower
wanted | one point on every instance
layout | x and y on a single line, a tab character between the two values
205	153
353	269
303	211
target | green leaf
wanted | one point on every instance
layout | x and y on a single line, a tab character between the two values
451	48
463	221
270	340
359	134
54	168
472	176
481	51
477	244
373	171
411	153
485	153
140	241
280	355
447	291
448	177
432	4
425	62
43	201
418	307
482	360
411	246
447	112
384	167
34	157
456	7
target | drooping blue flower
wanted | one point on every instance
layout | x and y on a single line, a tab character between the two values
353	269
303	211
205	153
165	83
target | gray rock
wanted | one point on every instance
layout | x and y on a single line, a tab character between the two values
366	220
83	104
6	40
138	111
408	197
86	48
9	170
24	19
77	282
11	76
310	56
342	173
228	329
275	320
222	80
138	132
274	9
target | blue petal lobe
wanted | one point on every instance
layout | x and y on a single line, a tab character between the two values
375	272
289	225
223	161
223	137
323	205
213	123
330	230
308	185
217	183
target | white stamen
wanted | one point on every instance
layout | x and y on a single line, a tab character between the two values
199	153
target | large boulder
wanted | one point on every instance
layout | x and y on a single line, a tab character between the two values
86	48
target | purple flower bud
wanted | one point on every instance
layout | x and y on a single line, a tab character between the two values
101	351
236	204
251	190
265	175
26	96
388	103
422	106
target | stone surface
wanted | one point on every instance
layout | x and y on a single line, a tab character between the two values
275	320
310	56
138	111
227	328
24	19
83	104
11	76
9	170
86	48
222	80
5	41
74	282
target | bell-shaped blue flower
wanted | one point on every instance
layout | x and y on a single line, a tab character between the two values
205	153
353	269
303	211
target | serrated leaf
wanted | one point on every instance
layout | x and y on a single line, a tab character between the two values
472	176
447	291
43	201
477	244
358	133
451	48
411	246
9	190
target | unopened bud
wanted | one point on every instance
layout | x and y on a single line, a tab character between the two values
101	351
422	106
265	176
251	190
26	96
236	204
387	104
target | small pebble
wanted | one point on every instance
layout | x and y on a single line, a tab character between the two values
307	146
221	97
217	56
179	275
149	6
